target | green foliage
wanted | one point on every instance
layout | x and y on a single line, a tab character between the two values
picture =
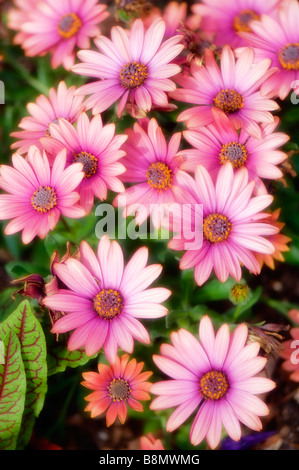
33	352
12	391
59	357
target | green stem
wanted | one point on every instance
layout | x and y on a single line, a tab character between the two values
237	313
63	413
66	225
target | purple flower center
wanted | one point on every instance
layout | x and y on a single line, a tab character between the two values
44	199
234	153
289	56
213	385
69	25
242	20
119	390
108	303
229	101
159	176
133	75
90	163
216	228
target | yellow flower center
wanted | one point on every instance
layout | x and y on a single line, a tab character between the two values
289	56
229	101
133	75
90	163
234	153
213	385
108	303
119	390
159	176
242	20
69	25
216	228
44	199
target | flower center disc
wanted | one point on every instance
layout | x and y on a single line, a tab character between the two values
289	56
234	153
133	75
69	25
90	163
229	101
44	199
213	385
108	303
216	228
159	176
119	390
241	21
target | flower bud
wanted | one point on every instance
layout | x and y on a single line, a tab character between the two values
240	294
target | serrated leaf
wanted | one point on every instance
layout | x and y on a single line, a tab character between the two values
12	391
59	358
33	349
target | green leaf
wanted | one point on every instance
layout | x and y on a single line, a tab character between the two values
33	349
214	290
12	391
59	357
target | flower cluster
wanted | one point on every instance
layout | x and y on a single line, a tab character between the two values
224	157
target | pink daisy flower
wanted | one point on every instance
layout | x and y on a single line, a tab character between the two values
225	20
232	226
117	387
132	67
104	299
94	145
215	377
219	143
278	40
60	104
37	194
58	27
18	15
290	351
152	166
232	89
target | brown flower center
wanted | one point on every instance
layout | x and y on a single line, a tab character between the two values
242	20
289	56
216	228
234	153
69	25
159	176
44	199
133	75
213	385
229	101
108	303
119	390
90	163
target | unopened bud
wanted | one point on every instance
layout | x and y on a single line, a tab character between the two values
240	294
